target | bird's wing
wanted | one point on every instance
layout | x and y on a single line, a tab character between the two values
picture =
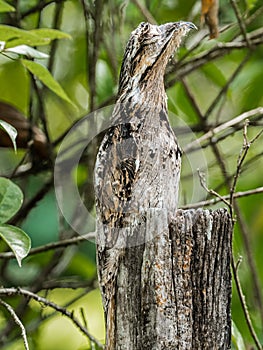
123	178
116	171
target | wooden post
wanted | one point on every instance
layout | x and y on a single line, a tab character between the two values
174	291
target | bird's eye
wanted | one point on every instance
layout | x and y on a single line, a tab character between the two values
145	27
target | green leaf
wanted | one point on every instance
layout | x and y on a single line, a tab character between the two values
15	36
17	240
16	87
10	130
11	198
50	34
5	7
47	79
237	338
26	51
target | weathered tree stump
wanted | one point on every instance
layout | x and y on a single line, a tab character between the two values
174	291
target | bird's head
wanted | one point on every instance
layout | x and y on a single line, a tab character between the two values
149	49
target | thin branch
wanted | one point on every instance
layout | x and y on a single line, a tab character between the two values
256	137
244	231
225	88
241	158
39	7
193	101
229	132
17	321
145	12
183	68
246	236
62	310
213	201
73	283
55	25
246	167
83	316
41	110
209	135
241	22
203	184
222	165
257	14
93	51
51	246
87	15
33	326
243	303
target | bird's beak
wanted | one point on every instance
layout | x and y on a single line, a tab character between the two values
168	30
171	36
189	25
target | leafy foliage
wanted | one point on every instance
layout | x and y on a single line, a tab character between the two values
46	78
5	7
13	36
11	199
18	41
17	240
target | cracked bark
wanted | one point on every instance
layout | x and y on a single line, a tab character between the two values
174	291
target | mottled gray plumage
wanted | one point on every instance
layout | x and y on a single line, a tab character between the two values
138	163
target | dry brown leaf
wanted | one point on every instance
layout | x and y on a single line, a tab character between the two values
11	115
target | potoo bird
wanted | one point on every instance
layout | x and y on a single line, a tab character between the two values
138	162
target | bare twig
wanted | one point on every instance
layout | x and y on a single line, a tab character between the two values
225	88
39	7
246	168
246	236
209	135
87	16
243	303
254	15
51	246
240	161
203	184
41	110
93	51
145	12
56	25
17	321
241	22
244	231
254	121
183	68
62	310
83	316
256	137
213	201
193	101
